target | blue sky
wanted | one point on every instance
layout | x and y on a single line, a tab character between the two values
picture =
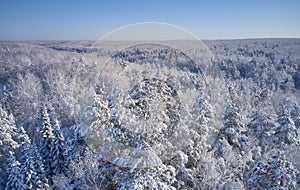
212	19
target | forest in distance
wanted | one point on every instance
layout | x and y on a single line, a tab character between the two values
74	115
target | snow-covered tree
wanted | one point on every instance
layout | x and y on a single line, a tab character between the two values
158	177
260	129
8	143
27	100
233	127
201	113
295	114
46	139
76	146
22	136
273	172
6	98
96	119
231	131
286	132
86	172
195	123
7	133
15	178
32	169
58	162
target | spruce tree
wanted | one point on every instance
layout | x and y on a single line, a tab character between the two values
97	119
231	132
46	139
260	128
231	136
201	113
57	151
7	133
8	143
32	167
295	114
232	121
15	178
286	132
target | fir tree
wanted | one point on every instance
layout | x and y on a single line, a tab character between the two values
231	132
47	137
57	151
232	121
32	166
97	119
286	132
6	99
15	178
8	144
295	114
201	113
231	136
7	133
260	128
76	146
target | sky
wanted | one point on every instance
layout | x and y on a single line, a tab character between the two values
91	19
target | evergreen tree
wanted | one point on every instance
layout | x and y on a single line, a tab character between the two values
295	114
75	148
286	132
158	177
74	153
32	167
201	113
7	133
58	164
22	136
260	128
6	98
97	119
275	172
231	132
15	178
7	142
46	139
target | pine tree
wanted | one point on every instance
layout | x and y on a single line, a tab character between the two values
32	167
15	178
58	164
47	137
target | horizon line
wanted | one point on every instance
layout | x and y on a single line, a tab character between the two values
204	39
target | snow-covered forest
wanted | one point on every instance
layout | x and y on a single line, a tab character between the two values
78	116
